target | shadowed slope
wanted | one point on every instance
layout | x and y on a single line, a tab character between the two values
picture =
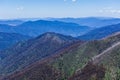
42	69
25	53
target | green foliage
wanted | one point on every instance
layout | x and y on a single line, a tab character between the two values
118	74
75	59
28	52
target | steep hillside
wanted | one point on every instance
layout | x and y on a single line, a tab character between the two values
76	58
104	66
38	72
9	39
90	72
72	62
111	61
100	33
42	69
23	54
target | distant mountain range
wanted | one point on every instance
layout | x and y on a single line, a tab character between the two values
66	26
9	39
94	22
100	33
11	22
38	27
94	55
35	28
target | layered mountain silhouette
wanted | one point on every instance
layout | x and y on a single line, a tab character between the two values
100	33
11	22
6	28
77	62
28	52
93	55
35	28
9	39
94	22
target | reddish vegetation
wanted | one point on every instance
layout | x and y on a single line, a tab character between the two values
42	72
40	69
65	49
90	71
1	77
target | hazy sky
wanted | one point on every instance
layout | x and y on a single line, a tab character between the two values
58	8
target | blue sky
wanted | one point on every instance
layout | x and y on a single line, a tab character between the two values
10	9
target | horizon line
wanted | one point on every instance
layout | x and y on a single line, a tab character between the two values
55	17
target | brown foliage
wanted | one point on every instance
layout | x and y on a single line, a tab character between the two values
90	71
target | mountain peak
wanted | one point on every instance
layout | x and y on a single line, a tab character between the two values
35	49
51	36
